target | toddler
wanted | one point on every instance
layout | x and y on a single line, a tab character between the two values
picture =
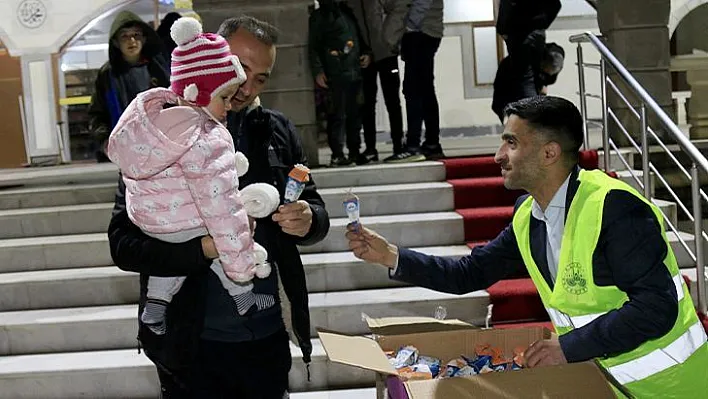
181	169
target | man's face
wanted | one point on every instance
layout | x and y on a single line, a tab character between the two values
519	155
130	41
257	59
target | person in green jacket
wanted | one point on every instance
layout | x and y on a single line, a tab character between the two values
337	55
135	64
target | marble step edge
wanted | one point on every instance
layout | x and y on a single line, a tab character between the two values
325	192
325	300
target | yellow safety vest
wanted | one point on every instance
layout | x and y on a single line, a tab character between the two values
672	366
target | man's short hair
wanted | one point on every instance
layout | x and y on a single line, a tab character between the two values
557	119
263	31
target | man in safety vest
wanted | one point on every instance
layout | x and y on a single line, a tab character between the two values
595	249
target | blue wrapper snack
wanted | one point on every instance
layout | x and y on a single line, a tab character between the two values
432	363
406	356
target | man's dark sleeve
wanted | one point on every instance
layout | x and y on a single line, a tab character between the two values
548	13
634	249
320	217
483	267
134	251
99	116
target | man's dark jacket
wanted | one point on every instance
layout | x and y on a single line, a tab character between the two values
517	18
629	254
274	148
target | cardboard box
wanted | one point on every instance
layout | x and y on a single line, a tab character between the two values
449	339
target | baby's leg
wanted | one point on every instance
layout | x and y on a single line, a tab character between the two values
160	292
242	293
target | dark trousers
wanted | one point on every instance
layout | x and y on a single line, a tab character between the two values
344	117
387	70
244	370
418	52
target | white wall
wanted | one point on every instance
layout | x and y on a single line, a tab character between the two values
457	111
64	18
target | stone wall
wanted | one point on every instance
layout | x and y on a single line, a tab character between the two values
290	89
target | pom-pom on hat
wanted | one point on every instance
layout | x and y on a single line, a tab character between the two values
202	63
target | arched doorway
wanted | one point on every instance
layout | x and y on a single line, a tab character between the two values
687	34
81	59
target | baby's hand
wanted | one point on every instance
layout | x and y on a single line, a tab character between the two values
252	224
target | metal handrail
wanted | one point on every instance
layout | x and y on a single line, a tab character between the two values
647	105
665	120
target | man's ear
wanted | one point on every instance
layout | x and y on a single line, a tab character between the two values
552	153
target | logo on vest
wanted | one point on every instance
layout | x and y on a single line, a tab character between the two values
573	280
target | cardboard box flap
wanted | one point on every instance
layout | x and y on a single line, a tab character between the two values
355	351
413	325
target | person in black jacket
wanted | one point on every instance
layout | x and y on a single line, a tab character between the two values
163	31
539	153
510	86
210	351
337	54
135	64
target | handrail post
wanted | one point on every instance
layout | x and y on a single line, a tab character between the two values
645	152
698	239
583	97
605	130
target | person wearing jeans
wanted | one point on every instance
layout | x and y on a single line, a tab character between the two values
420	35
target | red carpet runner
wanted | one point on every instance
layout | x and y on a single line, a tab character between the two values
487	207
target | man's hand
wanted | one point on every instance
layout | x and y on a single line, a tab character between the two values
209	248
364	61
321	80
371	247
545	352
294	218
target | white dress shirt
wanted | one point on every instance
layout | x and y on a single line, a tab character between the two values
554	218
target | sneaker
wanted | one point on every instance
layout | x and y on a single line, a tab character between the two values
405	157
367	157
433	153
339	162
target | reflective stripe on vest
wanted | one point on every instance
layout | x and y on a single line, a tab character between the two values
659	360
561	319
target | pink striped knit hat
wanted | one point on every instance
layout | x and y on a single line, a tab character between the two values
202	63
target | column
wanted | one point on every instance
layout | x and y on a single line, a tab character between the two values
290	89
636	32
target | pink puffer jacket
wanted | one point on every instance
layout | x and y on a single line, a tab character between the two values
179	169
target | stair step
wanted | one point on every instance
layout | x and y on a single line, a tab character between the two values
115	327
369	175
516	300
341	271
94	218
363	393
96	286
482	192
127	374
84	250
409	230
55	252
59	175
482	224
56	220
37	197
391	199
